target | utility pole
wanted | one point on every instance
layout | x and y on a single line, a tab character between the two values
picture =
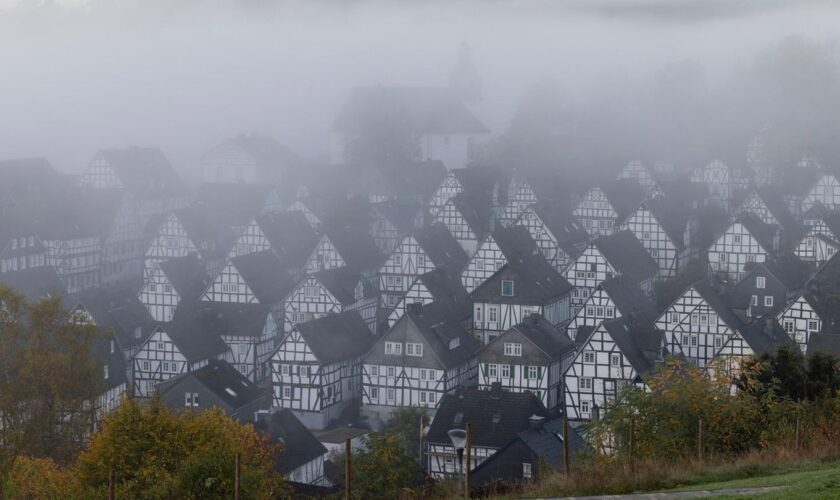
566	445
347	457
700	439
469	453
632	445
236	479
796	444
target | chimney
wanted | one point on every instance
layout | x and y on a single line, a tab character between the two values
535	422
496	390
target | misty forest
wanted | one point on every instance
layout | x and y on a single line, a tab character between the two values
369	249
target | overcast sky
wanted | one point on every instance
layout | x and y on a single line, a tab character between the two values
76	76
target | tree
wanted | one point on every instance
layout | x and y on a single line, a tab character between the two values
384	469
406	423
156	453
49	380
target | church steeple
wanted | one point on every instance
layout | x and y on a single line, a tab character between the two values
464	81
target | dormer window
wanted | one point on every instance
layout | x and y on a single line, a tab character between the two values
454	343
513	349
507	288
760	282
393	348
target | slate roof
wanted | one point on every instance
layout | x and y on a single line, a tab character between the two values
639	342
546	442
299	445
336	337
212	238
544	335
627	256
764	335
443	285
822	292
340	282
186	275
629	298
438	325
536	282
121	311
672	218
442	248
197	327
625	196
223	381
421	110
515	242
145	172
827	343
763	233
357	248
264	274
496	416
290	236
719	303
400	214
558	219
476	211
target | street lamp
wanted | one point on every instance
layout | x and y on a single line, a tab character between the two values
461	440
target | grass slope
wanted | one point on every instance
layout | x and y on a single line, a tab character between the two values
821	483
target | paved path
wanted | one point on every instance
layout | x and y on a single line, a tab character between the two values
683	494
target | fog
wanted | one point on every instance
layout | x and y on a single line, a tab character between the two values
77	76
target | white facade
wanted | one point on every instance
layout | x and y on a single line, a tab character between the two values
799	321
731	252
693	329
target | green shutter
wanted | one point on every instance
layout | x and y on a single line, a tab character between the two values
539	373
525	372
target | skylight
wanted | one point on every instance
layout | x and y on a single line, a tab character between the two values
230	391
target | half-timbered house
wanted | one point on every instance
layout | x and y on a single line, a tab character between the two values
620	254
612	298
345	248
698	323
557	233
746	240
254	278
468	217
215	385
316	369
763	336
170	282
329	292
248	159
525	285
287	234
601	208
495	417
436	285
118	311
809	184
418	253
637	170
769	286
614	353
802	318
495	251
391	221
425	355
531	356
715	177
660	228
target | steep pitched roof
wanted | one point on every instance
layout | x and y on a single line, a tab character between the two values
535	282
544	335
289	235
438	326
442	248
35	283
765	335
629	298
558	218
827	343
546	442
496	416
223	381
340	283
121	311
624	195
444	285
186	275
336	337
145	172
476	211
197	327
299	445
357	248
627	256
639	342
515	242
212	238
719	303
421	110
264	274
231	204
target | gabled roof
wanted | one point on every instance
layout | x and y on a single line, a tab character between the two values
442	248
558	219
145	172
546	442
496	416
197	327
763	233
438	326
336	337
421	110
299	445
624	195
444	285
515	242
289	235
718	302
544	335
269	155
121	311
639	342
357	248
476	211
535	282
764	335
671	216
186	275
211	238
340	283
264	274
400	214
629	298
789	269
827	343
822	291
627	256
223	381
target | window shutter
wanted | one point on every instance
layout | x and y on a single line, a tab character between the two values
539	372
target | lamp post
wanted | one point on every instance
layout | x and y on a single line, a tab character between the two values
460	440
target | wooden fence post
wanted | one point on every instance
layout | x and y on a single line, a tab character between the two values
796	444
236	479
632	445
700	439
566	446
348	456
111	485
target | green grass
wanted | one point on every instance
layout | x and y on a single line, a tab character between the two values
816	481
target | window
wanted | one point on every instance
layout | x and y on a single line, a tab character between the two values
304	371
394	348
527	472
374	371
507	288
505	371
374	393
532	372
610	312
685	340
704	319
287	393
477	314
499	264
694	341
191	399
615	360
454	343
392	371
718	341
146	365
152	287
392	300
760	282
422	397
493	315
432	398
788	326
421	260
812	326
398	260
754	300
390	280
768	301
513	349
675	318
586	383
492	370
737	239
391	395
599	311
284	370
310	292
590	311
584	407
398	280
588	357
414	349
423	374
